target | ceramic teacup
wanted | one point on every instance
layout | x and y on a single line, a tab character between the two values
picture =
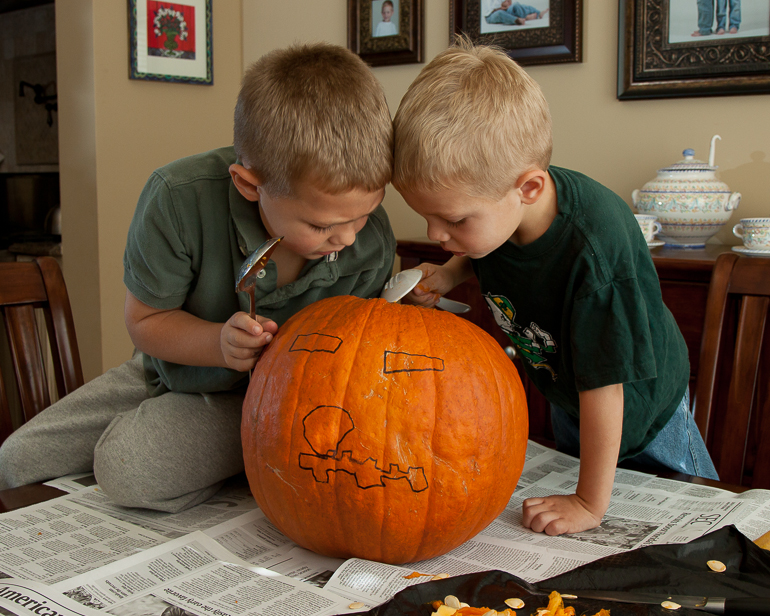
755	233
649	225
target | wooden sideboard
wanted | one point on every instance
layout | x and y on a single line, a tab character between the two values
684	281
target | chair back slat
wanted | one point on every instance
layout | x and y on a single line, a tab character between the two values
27	357
716	305
6	425
732	401
742	388
26	287
61	330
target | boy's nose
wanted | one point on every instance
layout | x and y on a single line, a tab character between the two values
436	234
346	235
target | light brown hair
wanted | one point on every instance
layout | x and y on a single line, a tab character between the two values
314	113
473	120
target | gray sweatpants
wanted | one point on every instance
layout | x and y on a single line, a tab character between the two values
167	453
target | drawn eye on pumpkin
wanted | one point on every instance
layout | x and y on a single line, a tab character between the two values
410	362
316	343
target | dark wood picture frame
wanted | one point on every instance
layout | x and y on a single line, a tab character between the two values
650	65
178	57
559	41
403	47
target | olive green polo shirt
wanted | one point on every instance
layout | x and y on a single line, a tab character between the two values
190	234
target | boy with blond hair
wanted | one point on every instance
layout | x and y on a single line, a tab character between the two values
312	156
562	265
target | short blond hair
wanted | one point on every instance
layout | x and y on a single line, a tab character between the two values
315	113
473	120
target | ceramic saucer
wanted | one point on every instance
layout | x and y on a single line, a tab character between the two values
757	252
655	243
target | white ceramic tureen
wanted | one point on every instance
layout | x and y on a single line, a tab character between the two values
690	202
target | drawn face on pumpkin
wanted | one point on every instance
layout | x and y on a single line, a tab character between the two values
380	431
331	433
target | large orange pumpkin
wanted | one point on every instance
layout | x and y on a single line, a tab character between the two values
382	431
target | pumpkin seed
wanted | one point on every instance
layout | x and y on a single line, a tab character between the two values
717	566
356	605
452	601
440	576
491	613
670	605
515	603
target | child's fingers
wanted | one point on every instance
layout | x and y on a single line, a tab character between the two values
267	325
244	332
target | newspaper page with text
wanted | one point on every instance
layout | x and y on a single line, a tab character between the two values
246	550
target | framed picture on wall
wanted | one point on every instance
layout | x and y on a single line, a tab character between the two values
170	41
386	32
676	48
531	32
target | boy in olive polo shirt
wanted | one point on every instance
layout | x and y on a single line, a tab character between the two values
564	269
312	155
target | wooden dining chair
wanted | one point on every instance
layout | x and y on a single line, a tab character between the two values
732	397
25	287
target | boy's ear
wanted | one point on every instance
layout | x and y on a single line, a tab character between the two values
531	184
245	181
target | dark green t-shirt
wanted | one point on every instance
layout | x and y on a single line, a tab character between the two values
192	231
582	304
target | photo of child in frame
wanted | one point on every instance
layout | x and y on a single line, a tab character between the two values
510	15
384	18
699	21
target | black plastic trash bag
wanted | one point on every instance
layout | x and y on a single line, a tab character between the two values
666	569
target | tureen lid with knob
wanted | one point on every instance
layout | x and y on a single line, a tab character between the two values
689	164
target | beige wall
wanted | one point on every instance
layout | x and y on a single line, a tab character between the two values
113	132
621	144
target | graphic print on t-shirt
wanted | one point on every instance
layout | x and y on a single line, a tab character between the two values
532	342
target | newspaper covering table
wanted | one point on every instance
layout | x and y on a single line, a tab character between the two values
85	555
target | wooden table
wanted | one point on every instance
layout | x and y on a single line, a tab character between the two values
16	498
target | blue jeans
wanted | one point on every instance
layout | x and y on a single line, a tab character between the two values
706	16
509	16
735	14
678	446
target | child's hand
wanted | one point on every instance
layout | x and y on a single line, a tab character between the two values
436	281
242	339
557	515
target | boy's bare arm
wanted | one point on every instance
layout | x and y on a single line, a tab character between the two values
180	337
438	280
601	428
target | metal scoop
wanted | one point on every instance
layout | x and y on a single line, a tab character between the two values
403	282
247	276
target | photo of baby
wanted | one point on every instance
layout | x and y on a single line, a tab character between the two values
509	15
384	18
